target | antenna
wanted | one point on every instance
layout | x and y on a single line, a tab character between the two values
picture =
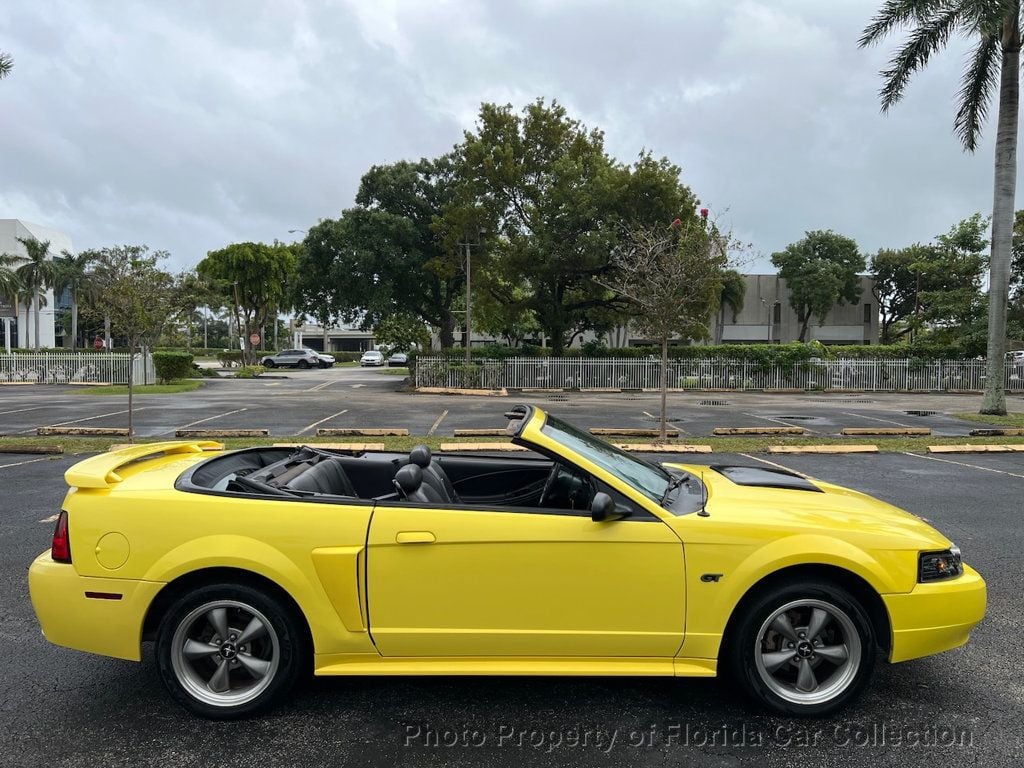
703	511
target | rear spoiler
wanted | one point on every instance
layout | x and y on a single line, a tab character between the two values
101	471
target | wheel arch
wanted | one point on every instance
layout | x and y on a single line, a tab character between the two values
181	585
869	599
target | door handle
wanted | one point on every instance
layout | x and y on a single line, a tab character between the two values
414	537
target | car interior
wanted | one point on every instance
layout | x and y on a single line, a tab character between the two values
418	477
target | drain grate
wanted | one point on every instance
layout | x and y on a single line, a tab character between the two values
713	402
798	418
558	398
836	400
920	413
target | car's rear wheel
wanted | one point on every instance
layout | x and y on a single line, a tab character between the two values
303	364
803	649
229	650
269	363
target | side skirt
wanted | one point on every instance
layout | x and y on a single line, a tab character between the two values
365	664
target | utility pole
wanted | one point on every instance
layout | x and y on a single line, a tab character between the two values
469	322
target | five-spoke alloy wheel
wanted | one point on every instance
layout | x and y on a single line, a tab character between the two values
803	649
228	650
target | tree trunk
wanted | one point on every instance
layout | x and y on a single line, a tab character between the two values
1004	193
36	301
804	322
327	341
74	321
720	331
664	389
131	381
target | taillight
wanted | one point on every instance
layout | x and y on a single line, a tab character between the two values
60	550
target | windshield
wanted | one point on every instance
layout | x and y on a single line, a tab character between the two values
647	478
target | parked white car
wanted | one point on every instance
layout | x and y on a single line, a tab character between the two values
372	357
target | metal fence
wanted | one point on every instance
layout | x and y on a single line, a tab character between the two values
65	367
643	373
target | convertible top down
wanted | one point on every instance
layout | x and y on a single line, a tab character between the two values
250	568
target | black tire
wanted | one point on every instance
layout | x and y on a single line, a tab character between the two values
269	363
281	651
302	364
754	644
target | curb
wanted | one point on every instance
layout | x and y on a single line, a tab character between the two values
998	432
222	433
353	432
823	449
456	391
497	432
32	449
446	447
886	431
353	447
662	448
759	431
626	432
84	431
979	448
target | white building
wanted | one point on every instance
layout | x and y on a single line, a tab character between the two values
10	231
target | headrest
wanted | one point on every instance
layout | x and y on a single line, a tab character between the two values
409	478
420	456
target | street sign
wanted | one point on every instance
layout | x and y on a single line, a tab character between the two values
254	339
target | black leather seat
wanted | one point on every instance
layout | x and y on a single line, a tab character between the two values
434	475
410	481
326	476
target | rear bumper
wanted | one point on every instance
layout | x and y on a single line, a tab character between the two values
106	626
935	617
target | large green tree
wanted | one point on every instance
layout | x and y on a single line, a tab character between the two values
993	67
559	205
253	278
388	255
821	270
934	285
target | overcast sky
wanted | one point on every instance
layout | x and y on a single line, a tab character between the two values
191	125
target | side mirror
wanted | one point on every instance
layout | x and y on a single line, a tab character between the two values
604	510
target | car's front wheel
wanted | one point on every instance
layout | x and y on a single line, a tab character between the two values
229	650
803	649
269	363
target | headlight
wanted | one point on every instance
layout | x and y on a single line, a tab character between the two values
937	566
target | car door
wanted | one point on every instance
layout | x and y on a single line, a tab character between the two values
489	581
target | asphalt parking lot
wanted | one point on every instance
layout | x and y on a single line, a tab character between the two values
303	401
60	707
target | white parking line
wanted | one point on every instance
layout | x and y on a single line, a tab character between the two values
50	519
317	423
22	410
202	421
875	418
961	464
87	418
27	461
668	424
773	464
437	423
322	385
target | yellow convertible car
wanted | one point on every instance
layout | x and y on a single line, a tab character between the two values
251	568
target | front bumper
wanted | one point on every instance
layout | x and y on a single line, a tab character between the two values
109	627
935	617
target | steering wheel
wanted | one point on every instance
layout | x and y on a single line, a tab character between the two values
549	484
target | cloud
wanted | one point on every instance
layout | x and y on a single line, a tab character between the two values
190	125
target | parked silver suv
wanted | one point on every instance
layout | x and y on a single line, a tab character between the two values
294	358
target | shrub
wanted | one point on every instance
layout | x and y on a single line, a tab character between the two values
171	366
229	357
249	371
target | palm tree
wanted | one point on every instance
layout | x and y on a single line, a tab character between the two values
734	290
74	276
995	25
37	274
6	64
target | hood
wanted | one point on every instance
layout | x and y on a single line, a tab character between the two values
784	500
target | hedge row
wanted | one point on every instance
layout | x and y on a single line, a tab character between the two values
171	366
763	354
